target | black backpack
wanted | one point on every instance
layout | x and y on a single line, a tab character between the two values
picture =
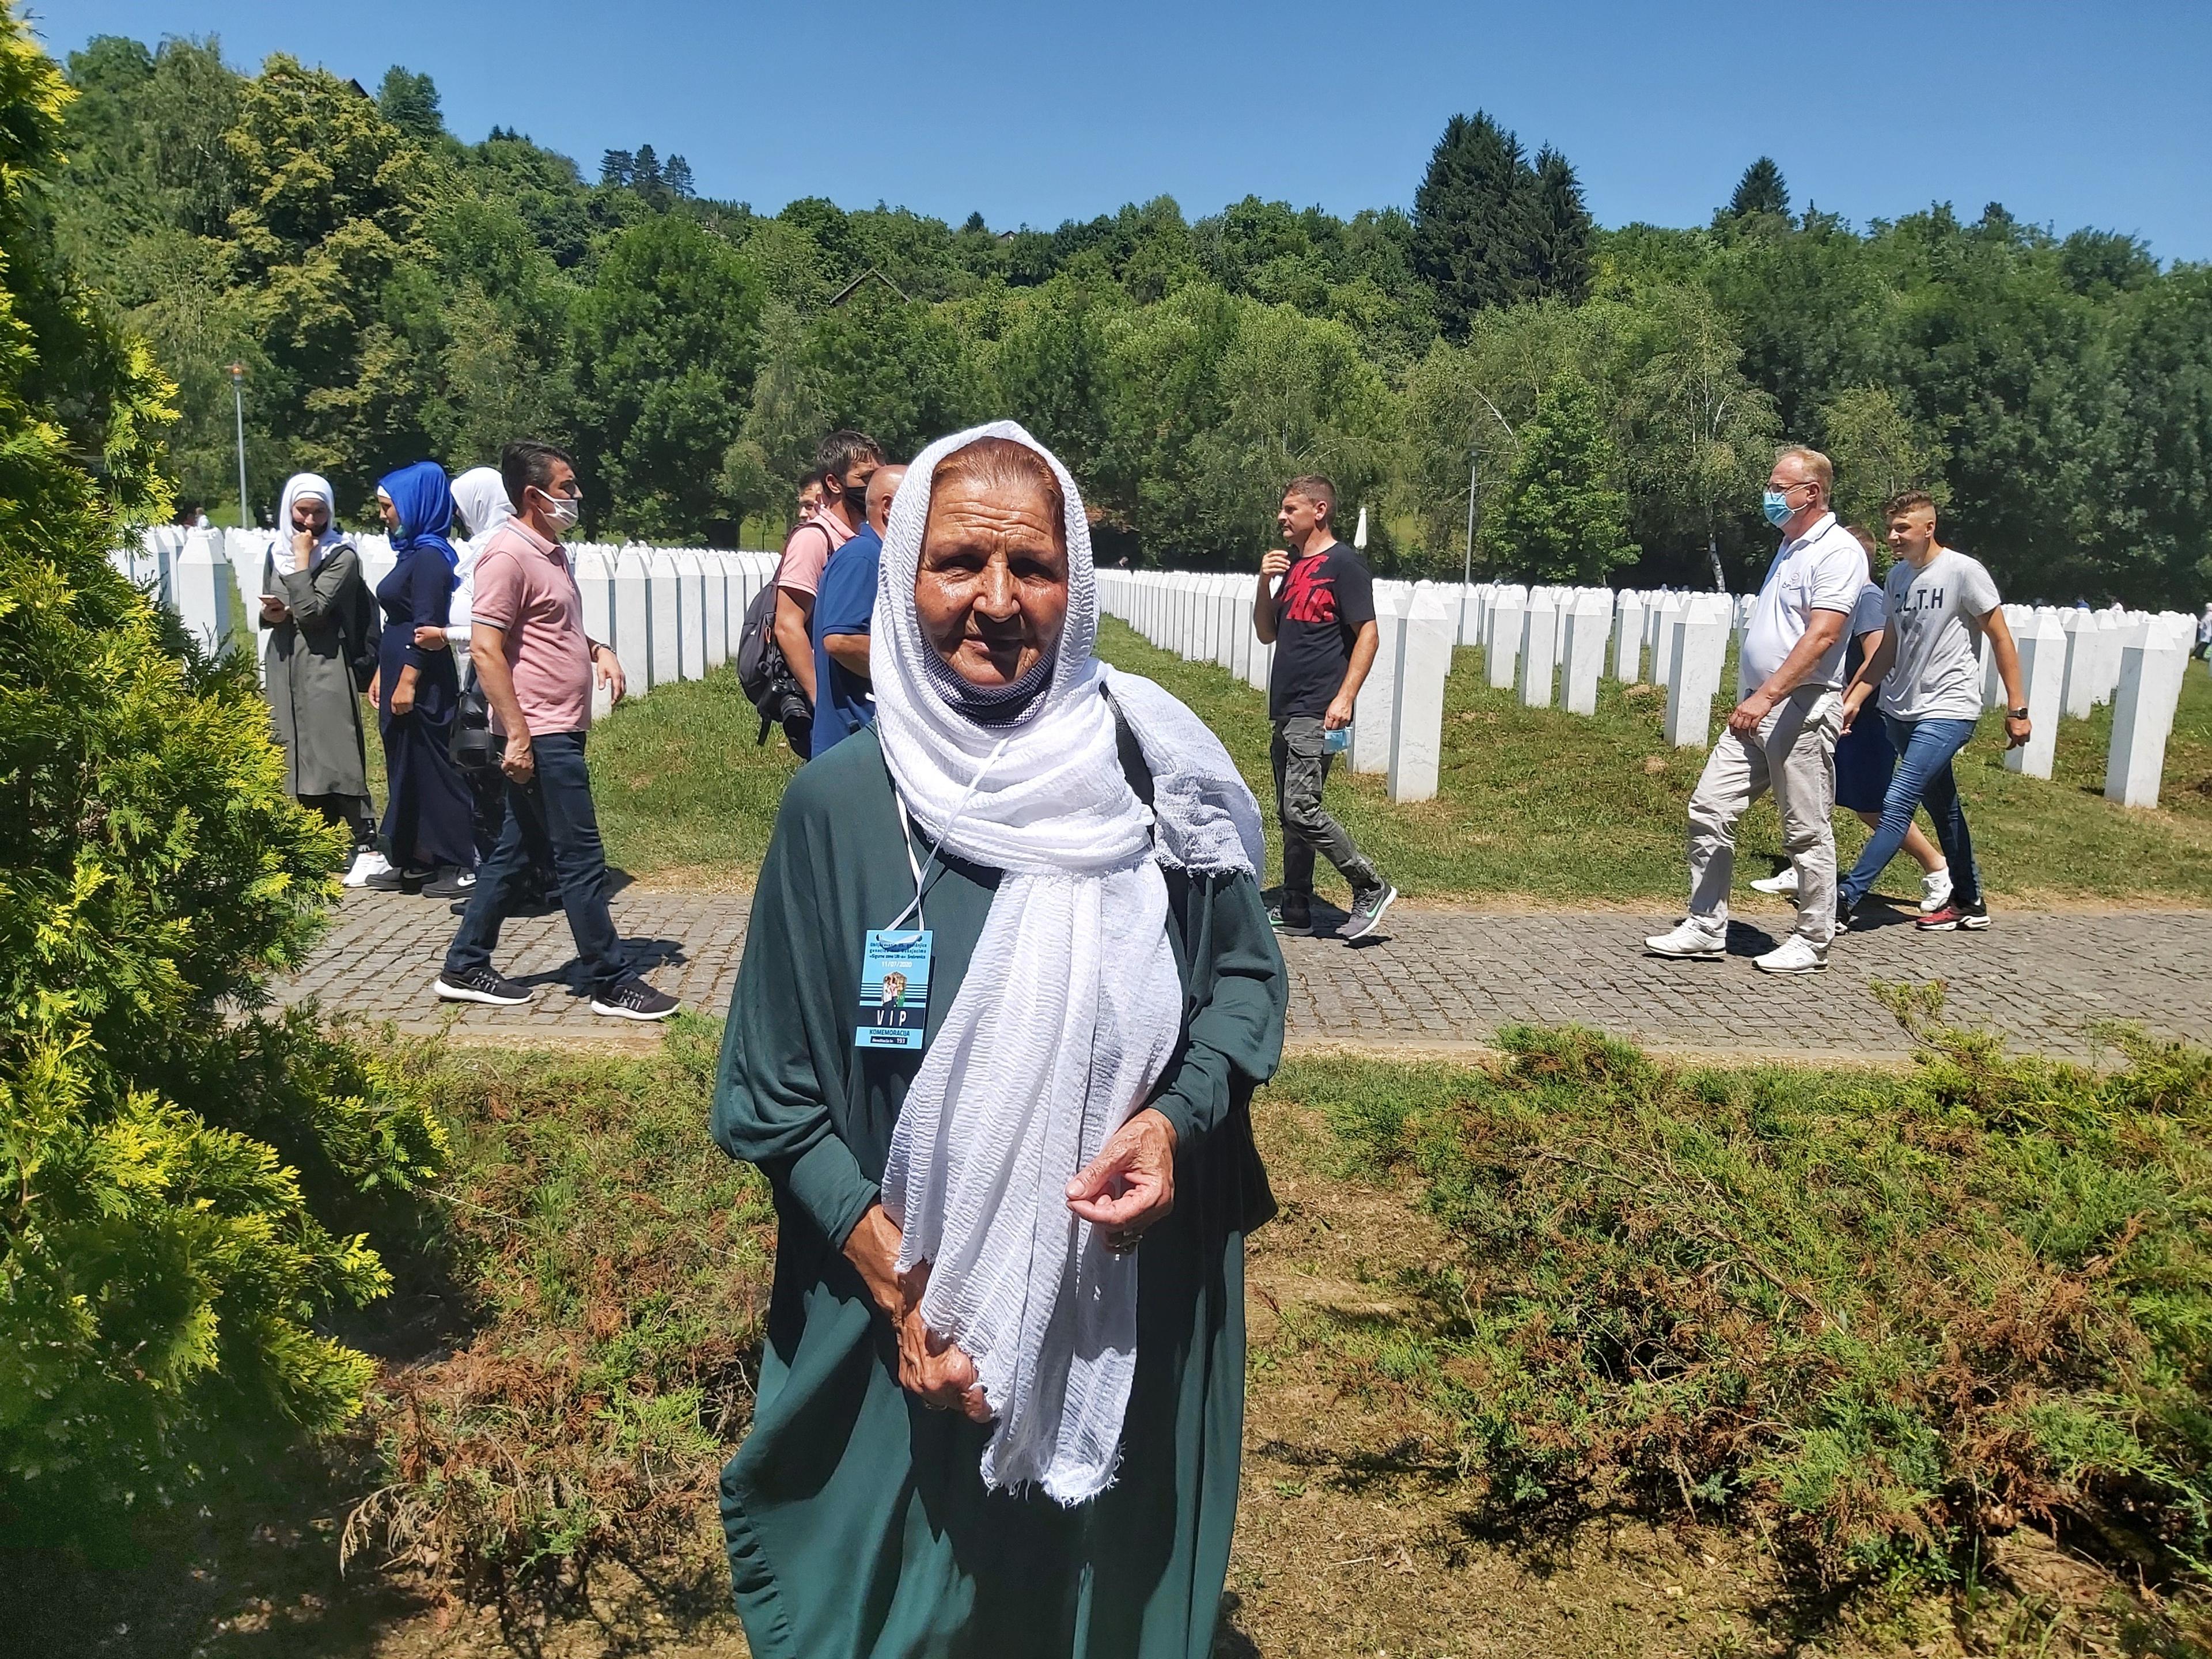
764	675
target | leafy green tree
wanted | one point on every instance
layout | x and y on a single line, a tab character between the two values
896	369
831	229
332	199
1760	191
666	342
180	1186
410	102
1049	371
2150	482
1560	517
1165	391
784	421
1878	451
1697	436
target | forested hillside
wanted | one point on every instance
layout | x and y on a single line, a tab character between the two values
1615	395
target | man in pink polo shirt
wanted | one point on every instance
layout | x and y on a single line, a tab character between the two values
846	461
536	667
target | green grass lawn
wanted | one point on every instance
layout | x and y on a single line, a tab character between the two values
1535	806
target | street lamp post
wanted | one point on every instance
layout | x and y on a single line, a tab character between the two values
238	408
1475	468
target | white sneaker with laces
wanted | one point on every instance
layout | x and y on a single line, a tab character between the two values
1783	880
1934	890
1691	938
1795	955
366	863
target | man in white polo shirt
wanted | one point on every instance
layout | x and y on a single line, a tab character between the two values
1782	734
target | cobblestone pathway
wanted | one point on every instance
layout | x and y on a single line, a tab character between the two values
1441	979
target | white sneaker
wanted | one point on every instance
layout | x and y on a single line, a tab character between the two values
1795	955
1691	938
366	863
1783	880
1934	890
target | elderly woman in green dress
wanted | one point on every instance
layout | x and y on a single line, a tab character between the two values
1002	1390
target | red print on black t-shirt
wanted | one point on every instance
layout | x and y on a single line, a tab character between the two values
1310	593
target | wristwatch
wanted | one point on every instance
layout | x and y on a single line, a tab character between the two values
2015	714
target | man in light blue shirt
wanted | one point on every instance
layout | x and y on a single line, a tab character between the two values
844	606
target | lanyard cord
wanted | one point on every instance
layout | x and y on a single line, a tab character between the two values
906	837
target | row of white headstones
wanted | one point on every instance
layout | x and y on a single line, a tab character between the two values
675	613
1551	645
670	613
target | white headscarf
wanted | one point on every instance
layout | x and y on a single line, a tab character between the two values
480	497
1070	1007
280	544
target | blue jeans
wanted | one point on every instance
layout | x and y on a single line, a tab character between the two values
1925	749
554	809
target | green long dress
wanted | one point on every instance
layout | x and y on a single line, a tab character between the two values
856	1519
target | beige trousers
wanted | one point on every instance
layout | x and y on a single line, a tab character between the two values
1793	752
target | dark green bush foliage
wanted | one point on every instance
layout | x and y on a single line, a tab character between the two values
1876	1315
616	1268
174	1174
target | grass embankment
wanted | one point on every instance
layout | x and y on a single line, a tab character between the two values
1534	805
1577	1352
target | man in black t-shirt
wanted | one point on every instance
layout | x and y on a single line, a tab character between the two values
1321	623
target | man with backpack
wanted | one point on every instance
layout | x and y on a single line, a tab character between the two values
847	460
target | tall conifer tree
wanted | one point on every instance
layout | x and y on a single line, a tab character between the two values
1761	190
1473	220
1565	229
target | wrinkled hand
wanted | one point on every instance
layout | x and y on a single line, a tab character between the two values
1275	562
929	1366
2018	732
516	759
1339	715
610	672
1130	1185
1747	714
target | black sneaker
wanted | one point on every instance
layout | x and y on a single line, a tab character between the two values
1847	915
484	985
1367	910
1954	917
452	882
1291	914
388	881
634	999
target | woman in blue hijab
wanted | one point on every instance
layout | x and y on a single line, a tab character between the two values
427	814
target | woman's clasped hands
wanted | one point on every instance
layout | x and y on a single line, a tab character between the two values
929	1366
1126	1189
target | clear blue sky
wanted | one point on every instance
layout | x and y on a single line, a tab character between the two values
2069	114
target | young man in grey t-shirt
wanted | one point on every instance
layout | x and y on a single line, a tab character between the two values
1937	602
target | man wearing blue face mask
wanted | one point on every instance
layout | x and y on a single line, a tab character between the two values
1782	733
